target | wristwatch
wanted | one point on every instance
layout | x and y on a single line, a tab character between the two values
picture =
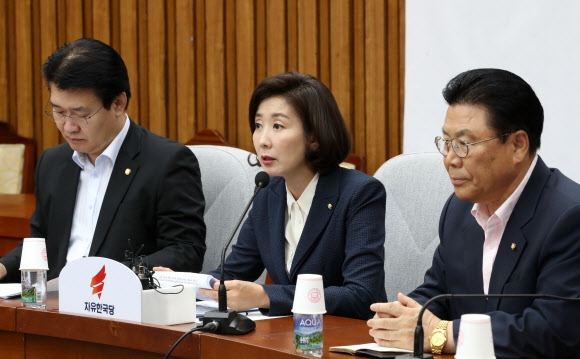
439	337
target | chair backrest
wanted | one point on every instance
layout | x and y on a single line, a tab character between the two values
16	162
228	184
417	187
355	162
208	136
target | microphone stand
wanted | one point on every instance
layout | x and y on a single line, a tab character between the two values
229	321
419	336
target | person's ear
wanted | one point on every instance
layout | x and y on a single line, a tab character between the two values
520	144
120	104
312	144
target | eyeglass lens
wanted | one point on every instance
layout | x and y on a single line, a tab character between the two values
459	146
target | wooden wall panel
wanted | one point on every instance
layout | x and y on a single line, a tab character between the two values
324	41
276	35
46	134
376	99
215	85
185	69
129	42
245	69
292	37
308	37
341	62
394	79
200	69
70	21
359	81
230	68
194	63
157	67
24	77
4	62
171	77
101	21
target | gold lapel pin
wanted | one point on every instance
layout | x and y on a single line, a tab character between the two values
127	171
513	246
330	206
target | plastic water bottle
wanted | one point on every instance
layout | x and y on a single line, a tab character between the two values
33	288
308	334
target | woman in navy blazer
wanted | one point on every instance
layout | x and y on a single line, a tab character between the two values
314	217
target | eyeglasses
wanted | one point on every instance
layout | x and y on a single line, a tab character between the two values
60	118
460	147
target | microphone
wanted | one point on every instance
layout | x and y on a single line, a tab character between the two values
419	336
230	322
135	263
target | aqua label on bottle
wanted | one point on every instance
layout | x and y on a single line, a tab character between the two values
33	289
308	334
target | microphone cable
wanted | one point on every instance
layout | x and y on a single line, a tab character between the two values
210	327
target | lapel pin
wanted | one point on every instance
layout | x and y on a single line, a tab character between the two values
127	171
513	246
330	206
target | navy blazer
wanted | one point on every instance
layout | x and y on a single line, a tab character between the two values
159	205
539	253
343	240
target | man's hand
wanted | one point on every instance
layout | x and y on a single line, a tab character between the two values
394	323
242	295
3	271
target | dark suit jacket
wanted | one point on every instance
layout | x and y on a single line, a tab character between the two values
343	242
544	228
158	205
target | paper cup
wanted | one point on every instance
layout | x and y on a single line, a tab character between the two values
475	339
309	295
33	256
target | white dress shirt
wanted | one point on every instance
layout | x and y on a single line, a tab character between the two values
93	183
296	214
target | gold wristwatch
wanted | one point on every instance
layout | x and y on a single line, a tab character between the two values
439	337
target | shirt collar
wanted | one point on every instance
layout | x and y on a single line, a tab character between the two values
305	200
481	213
112	150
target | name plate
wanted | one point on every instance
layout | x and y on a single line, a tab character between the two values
100	287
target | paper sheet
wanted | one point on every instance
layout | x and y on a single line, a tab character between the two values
10	290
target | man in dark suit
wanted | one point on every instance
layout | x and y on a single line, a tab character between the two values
512	227
113	186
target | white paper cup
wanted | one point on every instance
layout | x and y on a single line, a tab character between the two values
475	339
33	256
309	295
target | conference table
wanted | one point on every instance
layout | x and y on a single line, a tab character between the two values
15	212
30	333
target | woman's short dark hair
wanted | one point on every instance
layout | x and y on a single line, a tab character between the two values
327	138
510	102
88	64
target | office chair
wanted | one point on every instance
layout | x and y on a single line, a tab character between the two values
417	187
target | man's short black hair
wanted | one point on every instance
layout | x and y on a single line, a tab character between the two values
88	64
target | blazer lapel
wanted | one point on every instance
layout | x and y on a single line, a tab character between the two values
323	205
473	255
118	184
63	206
513	237
469	253
277	209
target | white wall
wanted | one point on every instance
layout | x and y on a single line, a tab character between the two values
538	40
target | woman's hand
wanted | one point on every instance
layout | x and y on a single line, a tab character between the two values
242	295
